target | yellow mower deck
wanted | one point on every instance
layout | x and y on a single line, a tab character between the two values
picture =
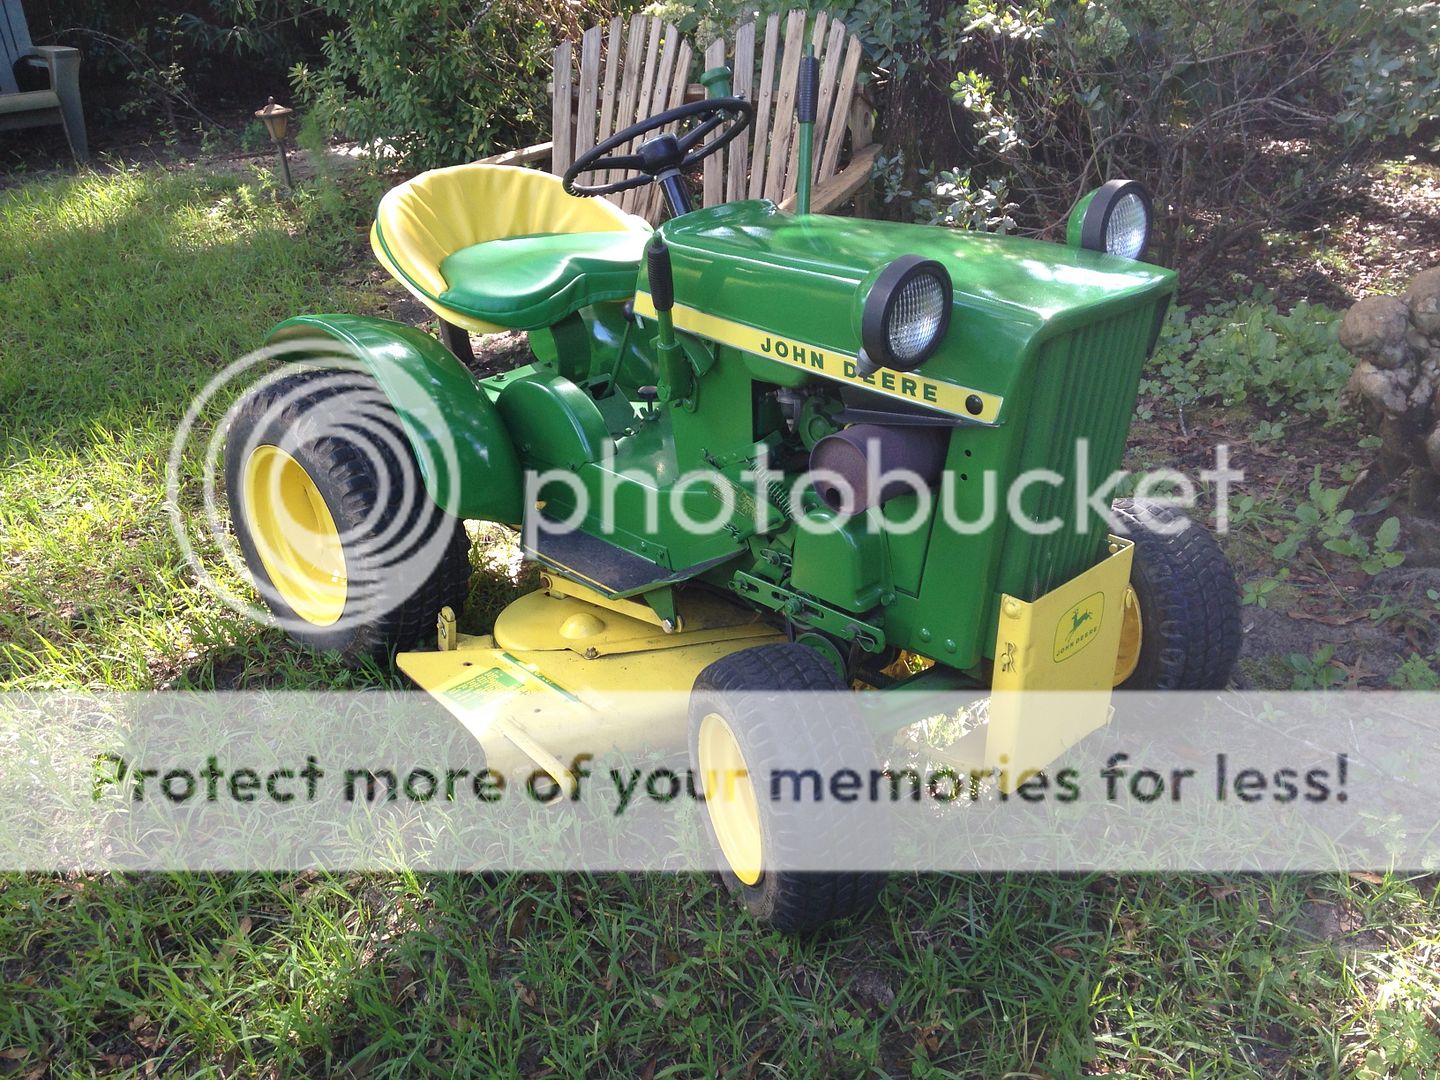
548	684
559	675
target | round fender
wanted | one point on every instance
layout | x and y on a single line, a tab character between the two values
467	460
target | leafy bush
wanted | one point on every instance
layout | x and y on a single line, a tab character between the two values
439	82
1234	112
170	58
1248	351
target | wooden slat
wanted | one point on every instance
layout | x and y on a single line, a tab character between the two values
647	74
835	137
588	105
714	188
737	159
779	153
679	85
648	200
519	157
792	168
614	41
665	72
629	87
762	107
561	131
829	74
834	190
633	201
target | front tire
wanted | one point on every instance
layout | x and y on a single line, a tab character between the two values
1187	605
748	720
331	515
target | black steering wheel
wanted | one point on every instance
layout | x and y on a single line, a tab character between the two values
664	157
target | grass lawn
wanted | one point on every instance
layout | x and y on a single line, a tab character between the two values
123	292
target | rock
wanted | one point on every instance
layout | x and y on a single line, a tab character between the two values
1397	445
1396	341
1432	448
1375	328
1423	300
1386	390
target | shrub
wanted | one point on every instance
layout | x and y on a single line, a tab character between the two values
1236	113
439	82
1248	351
171	58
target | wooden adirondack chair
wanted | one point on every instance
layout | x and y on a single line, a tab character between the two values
55	69
762	163
626	74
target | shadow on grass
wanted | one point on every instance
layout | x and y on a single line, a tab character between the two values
576	975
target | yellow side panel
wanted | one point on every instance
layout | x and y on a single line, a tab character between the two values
1066	641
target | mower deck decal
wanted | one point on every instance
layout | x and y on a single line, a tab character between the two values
831	364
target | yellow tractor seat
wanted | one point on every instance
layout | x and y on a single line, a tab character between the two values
494	247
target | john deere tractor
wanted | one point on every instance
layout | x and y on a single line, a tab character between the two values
752	451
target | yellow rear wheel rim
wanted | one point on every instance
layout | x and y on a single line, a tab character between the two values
730	798
295	535
1131	632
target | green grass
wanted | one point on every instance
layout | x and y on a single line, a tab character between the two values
123	293
617	975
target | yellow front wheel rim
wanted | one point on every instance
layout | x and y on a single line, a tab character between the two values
294	535
730	798
1131	632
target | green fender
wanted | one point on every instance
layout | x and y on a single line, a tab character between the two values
466	457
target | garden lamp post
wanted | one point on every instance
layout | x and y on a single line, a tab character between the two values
276	119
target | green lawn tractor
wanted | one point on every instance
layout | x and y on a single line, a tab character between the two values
753	451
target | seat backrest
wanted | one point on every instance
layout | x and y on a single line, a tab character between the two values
625	74
437	213
762	163
14	42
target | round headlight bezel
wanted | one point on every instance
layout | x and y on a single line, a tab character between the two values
879	309
1095	226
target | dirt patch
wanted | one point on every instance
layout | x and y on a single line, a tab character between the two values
1371	238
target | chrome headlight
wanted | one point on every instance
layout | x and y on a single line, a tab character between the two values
1116	219
906	314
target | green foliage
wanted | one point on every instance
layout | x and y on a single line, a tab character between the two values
1188	96
1319	518
1373	557
437	82
166	58
1247	351
1416	673
1258	592
962	200
1315	672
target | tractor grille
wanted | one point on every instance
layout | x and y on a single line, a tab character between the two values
1085	389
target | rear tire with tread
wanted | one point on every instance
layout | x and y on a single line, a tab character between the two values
405	557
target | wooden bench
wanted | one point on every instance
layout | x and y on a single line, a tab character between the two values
622	74
54	71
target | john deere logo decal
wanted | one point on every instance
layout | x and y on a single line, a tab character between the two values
1078	626
829	364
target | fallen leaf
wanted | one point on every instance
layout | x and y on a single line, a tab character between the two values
521	921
